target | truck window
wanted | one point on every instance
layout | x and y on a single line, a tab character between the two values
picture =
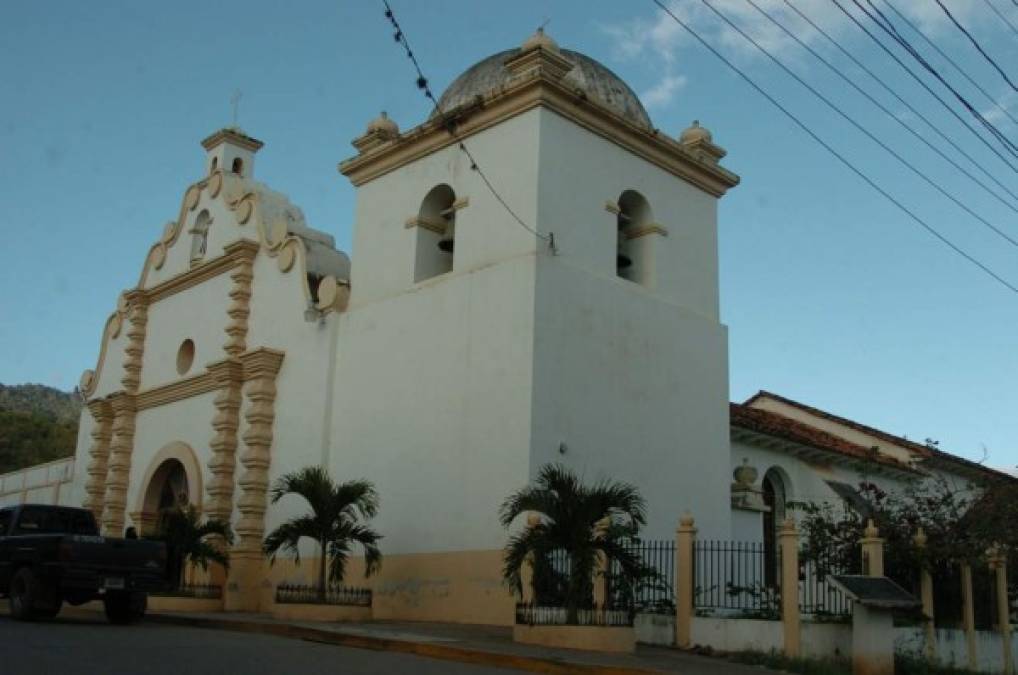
5	521
55	521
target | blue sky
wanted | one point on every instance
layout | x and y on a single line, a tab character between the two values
832	296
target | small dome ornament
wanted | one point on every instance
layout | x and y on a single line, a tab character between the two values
539	40
695	134
383	126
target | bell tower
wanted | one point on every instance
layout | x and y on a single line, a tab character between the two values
497	354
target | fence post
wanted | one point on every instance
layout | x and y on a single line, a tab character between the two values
926	595
789	542
969	615
998	563
684	538
872	551
527	571
600	580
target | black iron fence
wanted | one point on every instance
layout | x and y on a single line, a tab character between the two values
198	591
818	596
735	577
334	595
609	614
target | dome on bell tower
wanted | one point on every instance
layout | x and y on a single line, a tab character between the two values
599	84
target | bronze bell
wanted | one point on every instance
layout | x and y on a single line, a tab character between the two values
447	243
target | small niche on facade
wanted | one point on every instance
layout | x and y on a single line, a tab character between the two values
185	356
238	166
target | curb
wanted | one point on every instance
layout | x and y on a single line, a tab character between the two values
431	650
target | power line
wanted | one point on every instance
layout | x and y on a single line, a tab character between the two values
849	165
976	44
1002	17
887	112
951	61
888	27
848	118
925	86
901	100
422	83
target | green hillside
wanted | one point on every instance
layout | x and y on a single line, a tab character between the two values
37	424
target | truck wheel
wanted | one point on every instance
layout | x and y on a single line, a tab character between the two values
25	593
123	607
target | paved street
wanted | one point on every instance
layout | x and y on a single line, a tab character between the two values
87	645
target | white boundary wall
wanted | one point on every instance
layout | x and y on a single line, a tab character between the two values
47	483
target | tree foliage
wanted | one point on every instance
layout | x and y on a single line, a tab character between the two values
334	522
580	520
188	539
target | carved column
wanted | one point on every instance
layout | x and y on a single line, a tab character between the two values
98	452
247	560
124	410
240	298
135	348
228	375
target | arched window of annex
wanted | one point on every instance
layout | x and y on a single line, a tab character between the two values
632	259
775	497
435	240
200	235
238	166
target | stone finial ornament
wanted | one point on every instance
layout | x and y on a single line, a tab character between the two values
383	125
539	40
745	475
695	133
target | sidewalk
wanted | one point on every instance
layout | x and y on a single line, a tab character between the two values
483	645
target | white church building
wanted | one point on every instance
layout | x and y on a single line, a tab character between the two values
463	346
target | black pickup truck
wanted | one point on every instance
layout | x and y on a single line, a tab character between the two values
53	554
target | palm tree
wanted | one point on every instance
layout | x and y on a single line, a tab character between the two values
190	540
334	522
581	520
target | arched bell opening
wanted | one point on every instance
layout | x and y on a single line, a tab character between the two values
633	216
436	233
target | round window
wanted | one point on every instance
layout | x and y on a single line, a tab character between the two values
185	356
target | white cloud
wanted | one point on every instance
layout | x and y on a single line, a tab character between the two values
662	93
661	37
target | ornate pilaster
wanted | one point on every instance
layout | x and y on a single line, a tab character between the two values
260	369
124	411
240	298
243	592
98	453
228	375
135	348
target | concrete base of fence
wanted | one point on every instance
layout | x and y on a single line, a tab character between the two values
183	604
592	638
655	629
315	612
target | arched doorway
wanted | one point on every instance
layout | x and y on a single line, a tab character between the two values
172	481
775	497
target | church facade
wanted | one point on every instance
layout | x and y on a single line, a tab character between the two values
468	344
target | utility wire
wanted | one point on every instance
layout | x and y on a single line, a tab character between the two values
1002	17
885	24
848	118
849	165
976	44
925	86
422	83
960	150
890	114
947	58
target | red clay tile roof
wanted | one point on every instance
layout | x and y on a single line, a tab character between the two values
779	426
918	448
921	450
